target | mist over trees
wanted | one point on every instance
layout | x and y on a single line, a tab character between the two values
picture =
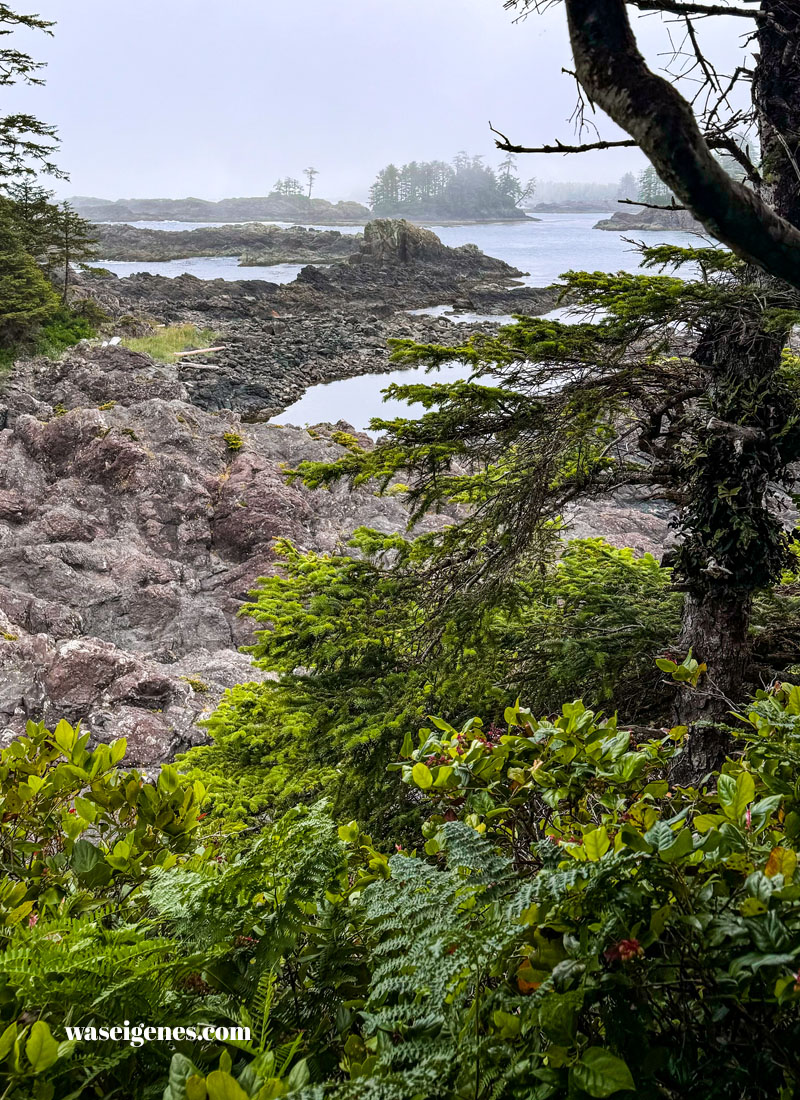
463	188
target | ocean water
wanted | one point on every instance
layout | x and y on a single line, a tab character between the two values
203	267
543	249
178	227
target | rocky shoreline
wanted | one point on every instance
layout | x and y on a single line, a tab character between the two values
652	220
139	501
274	207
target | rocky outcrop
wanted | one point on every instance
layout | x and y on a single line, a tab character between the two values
330	323
134	525
274	207
130	535
651	220
256	244
396	266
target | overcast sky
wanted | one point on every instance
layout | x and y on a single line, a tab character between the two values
221	97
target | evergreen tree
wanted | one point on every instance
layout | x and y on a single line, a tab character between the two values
70	242
467	189
26	297
658	394
33	214
628	187
651	190
288	186
24	140
310	174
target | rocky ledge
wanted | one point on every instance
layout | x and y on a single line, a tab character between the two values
330	323
139	501
131	533
255	244
133	528
395	266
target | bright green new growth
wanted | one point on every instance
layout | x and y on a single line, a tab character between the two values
665	387
357	668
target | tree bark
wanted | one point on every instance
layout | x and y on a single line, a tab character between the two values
776	94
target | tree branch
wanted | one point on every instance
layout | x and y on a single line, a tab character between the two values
651	205
716	141
615	76
559	147
672	7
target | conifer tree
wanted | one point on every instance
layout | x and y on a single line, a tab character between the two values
70	242
653	391
26	297
25	142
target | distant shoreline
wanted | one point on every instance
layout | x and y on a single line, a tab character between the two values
323	221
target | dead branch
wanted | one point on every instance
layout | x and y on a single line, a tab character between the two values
651	205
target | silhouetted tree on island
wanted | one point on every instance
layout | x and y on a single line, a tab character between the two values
310	174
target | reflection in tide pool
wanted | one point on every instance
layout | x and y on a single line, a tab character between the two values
357	400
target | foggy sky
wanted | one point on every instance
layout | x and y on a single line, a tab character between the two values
215	98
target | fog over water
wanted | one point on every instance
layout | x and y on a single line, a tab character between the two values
198	97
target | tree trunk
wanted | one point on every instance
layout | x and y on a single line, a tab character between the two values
776	92
715	628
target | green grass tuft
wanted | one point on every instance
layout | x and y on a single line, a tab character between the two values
165	342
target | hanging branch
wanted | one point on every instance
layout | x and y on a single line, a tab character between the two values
616	78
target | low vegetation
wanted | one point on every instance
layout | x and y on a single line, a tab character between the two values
565	923
167	340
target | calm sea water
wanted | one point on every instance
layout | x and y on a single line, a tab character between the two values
203	267
543	249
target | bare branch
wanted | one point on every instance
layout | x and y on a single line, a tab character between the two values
616	77
559	147
673	7
651	205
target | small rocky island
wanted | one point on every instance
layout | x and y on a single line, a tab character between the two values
272	207
255	243
648	220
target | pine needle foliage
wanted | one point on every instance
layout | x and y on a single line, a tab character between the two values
359	671
667	387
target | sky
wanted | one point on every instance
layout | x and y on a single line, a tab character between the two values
214	98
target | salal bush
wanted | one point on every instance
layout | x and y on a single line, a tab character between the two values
582	928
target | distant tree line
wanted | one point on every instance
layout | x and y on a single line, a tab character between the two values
465	187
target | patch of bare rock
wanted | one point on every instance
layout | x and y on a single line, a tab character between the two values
139	501
130	536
